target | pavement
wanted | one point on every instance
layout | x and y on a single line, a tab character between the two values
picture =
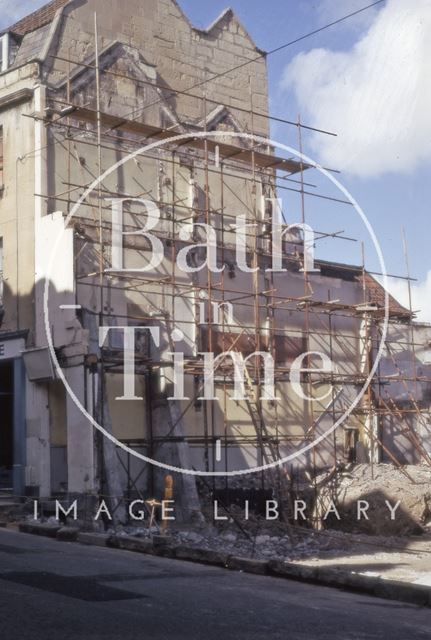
335	567
403	560
53	589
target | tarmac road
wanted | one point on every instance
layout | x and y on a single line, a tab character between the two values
64	591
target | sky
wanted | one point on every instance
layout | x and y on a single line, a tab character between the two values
365	79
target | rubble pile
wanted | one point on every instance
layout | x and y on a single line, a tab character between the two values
272	543
376	486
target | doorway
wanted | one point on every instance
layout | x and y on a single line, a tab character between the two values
6	425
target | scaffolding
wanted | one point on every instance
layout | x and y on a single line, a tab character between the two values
264	303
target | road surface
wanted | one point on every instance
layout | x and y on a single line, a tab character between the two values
53	590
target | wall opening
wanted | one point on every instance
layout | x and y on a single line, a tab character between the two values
6	425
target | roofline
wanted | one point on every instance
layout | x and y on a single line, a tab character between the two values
9	29
357	269
227	13
340	265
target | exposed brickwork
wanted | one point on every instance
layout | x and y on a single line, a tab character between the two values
38	18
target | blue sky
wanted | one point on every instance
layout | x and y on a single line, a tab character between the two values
390	198
365	79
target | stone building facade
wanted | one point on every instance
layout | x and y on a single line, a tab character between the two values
85	85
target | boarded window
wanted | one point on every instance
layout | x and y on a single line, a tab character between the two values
286	348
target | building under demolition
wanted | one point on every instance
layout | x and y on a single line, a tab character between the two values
142	237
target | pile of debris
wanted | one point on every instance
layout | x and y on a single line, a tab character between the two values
272	542
378	489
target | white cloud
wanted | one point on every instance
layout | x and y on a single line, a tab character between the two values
376	96
330	10
421	296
